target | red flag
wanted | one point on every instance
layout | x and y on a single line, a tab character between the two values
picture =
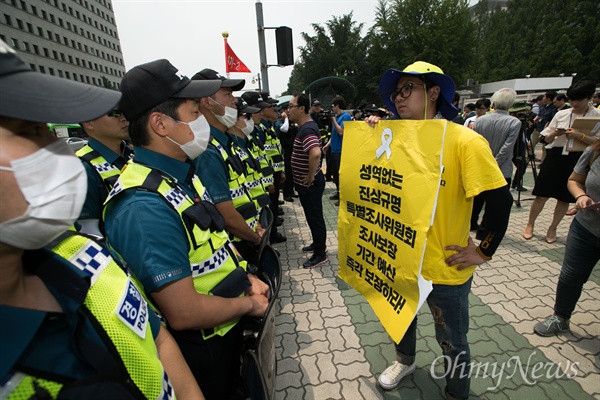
234	64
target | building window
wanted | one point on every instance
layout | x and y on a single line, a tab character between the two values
34	10
40	32
70	59
60	73
49	35
81	77
36	49
15	43
8	20
87	79
42	69
51	71
65	41
67	75
46	52
45	16
60	22
62	57
26	45
93	80
30	27
32	66
57	37
52	18
23	5
20	24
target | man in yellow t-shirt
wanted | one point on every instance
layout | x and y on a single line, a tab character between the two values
423	91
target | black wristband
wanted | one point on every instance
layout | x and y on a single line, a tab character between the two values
581	195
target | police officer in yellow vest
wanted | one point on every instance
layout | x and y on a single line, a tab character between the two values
160	219
103	157
79	328
220	168
265	133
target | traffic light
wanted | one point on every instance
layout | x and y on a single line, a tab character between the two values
285	47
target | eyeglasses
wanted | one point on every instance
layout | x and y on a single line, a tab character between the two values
292	106
115	113
482	108
404	91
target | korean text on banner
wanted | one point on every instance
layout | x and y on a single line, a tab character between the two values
233	62
390	177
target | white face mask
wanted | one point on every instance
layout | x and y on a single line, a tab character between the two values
201	130
54	184
249	127
229	118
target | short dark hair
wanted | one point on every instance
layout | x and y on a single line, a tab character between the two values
551	94
138	132
456	98
539	98
581	90
479	103
487	103
562	97
471	106
339	101
303	101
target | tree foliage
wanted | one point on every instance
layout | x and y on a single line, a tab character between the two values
528	37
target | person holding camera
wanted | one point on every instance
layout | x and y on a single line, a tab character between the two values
338	117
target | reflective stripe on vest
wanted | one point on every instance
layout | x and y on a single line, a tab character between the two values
211	259
273	148
111	298
260	155
107	171
242	200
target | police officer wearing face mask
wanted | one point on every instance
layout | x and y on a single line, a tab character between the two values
160	218
221	168
80	327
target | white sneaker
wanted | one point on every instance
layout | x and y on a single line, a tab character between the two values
390	378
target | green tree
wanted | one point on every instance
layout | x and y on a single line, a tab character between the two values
336	49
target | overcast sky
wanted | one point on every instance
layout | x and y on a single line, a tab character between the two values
188	33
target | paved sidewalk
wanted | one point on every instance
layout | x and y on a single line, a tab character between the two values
330	344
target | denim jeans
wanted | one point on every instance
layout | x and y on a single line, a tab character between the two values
311	199
582	253
449	306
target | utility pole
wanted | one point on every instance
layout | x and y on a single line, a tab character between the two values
261	46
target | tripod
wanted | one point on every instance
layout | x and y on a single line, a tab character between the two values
523	154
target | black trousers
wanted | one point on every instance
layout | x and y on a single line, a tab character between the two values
275	198
215	362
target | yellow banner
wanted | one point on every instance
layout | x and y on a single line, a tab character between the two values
389	183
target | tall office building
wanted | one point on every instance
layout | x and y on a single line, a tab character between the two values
72	39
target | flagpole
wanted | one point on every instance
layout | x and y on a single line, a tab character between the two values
225	35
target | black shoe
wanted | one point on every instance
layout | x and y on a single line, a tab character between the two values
522	189
289	198
295	196
309	248
278	221
335	197
277	238
280	212
280	202
328	179
315	261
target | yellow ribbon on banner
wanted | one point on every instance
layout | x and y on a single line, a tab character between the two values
390	177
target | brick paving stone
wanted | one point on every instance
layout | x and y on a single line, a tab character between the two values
354	370
327	391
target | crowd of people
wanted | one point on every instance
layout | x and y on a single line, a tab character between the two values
129	272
